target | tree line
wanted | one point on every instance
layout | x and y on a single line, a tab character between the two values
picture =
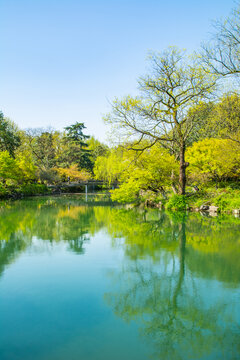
45	156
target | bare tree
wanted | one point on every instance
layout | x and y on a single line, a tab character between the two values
222	55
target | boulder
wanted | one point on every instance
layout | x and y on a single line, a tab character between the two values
213	209
236	211
160	205
213	213
204	208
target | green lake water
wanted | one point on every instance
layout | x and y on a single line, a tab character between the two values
93	281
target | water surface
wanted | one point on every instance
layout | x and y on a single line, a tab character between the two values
94	281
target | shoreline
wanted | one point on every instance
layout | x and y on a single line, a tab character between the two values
206	210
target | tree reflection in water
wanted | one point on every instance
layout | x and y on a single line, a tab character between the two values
49	220
177	275
170	302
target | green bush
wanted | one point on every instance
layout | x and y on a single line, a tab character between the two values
228	200
3	191
32	189
177	202
126	193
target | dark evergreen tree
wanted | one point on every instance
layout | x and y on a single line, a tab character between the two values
77	151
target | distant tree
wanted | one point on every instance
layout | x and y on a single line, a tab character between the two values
8	169
16	170
43	145
110	168
9	136
46	149
77	151
97	148
73	174
26	167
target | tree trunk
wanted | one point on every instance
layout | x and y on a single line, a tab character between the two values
182	248
182	172
174	189
163	192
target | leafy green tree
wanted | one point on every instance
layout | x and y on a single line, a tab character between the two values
9	136
161	113
27	169
17	171
46	142
8	168
97	148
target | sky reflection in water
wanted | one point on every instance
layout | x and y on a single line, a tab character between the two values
95	281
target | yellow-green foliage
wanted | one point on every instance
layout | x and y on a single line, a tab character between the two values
225	117
8	169
24	162
135	170
18	170
127	192
214	159
73	173
110	168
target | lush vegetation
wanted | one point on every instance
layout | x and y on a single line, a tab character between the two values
180	138
33	158
182	133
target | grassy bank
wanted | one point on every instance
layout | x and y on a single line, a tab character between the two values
225	199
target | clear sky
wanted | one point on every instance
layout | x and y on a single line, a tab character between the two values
62	61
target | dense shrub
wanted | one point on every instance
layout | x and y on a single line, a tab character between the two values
177	202
33	189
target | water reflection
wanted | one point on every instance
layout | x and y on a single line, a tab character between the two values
178	312
179	278
53	220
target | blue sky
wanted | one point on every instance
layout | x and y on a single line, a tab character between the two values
62	61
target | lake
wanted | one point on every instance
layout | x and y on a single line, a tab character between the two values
95	281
